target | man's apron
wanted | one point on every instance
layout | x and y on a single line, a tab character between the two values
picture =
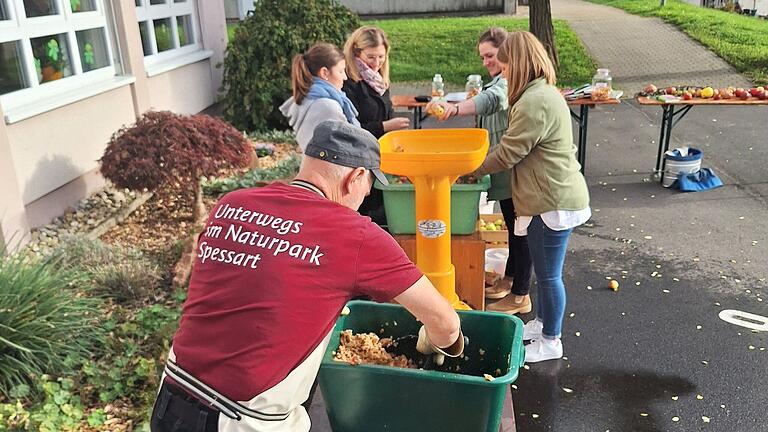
275	410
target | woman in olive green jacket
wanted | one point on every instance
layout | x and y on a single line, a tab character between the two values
548	190
492	108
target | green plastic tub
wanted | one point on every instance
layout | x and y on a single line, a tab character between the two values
400	206
379	398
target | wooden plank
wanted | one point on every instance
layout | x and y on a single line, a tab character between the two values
468	257
590	102
409	101
642	100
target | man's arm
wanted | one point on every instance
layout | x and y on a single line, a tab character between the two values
429	307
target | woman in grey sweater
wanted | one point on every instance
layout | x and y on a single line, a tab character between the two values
317	77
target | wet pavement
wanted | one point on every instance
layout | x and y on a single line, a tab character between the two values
654	356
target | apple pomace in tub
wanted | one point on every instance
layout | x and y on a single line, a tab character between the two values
368	348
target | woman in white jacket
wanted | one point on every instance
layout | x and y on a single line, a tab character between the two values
317	77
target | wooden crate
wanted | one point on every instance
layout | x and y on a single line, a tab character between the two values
468	257
493	239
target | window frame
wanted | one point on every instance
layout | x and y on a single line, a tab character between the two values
170	9
23	29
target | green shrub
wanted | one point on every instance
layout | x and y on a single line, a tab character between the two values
285	169
274	136
129	368
118	272
257	66
45	323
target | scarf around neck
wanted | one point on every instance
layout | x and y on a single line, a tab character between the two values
322	89
370	76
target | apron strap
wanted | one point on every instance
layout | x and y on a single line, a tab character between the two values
226	406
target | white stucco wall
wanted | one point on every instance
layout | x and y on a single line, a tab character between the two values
186	90
56	147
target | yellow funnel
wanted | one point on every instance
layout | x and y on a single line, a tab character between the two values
433	159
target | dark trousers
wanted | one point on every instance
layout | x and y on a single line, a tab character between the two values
519	264
373	207
177	411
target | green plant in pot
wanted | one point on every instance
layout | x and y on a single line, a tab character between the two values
50	61
76	5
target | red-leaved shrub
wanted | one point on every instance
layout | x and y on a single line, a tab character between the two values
164	150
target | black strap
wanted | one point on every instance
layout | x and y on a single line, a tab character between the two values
226	406
308	186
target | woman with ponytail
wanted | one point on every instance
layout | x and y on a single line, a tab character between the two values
317	76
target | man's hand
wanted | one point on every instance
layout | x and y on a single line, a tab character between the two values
426	347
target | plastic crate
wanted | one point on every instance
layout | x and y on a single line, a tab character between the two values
379	398
400	206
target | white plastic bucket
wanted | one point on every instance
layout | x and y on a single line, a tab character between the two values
676	165
496	260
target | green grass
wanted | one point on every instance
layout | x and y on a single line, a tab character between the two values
740	40
423	47
426	46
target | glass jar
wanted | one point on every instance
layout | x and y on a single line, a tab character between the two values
438	87
474	86
601	85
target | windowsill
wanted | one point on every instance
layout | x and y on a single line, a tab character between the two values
177	62
17	114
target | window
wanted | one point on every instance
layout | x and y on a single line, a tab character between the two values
51	46
169	29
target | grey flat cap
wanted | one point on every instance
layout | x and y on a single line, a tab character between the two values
343	144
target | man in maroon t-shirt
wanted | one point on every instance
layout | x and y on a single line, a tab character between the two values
274	268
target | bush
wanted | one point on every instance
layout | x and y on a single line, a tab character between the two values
257	67
274	136
45	324
164	150
285	169
118	272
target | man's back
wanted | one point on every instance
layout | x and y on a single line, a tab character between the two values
274	267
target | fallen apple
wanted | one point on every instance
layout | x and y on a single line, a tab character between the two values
687	96
670	90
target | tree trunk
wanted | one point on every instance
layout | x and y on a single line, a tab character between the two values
540	23
198	207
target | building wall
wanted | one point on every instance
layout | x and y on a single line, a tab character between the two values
186	90
236	9
395	7
52	149
48	162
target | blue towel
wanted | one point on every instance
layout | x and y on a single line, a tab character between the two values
322	89
704	179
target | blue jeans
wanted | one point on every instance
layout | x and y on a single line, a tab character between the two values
548	249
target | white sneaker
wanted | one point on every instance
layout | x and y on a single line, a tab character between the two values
543	349
532	329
